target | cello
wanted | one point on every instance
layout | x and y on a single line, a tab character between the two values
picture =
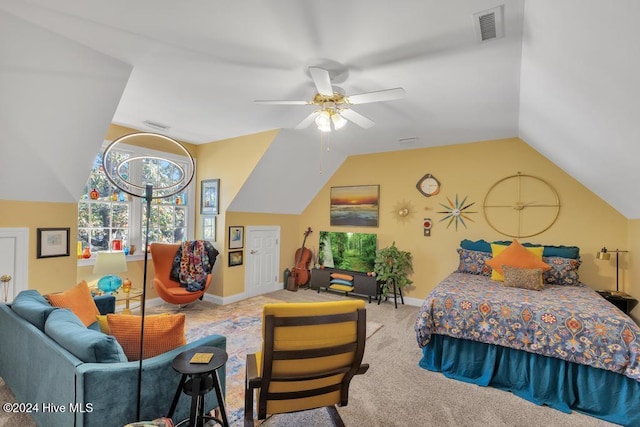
300	272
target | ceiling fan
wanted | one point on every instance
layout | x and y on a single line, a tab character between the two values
335	106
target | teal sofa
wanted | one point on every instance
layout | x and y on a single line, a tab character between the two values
72	392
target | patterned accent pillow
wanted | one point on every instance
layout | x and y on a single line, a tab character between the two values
524	278
564	271
473	262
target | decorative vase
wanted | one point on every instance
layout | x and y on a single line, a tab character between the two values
126	285
86	253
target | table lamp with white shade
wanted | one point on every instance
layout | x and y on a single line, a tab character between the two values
109	263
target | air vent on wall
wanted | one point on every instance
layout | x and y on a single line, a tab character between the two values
489	24
156	125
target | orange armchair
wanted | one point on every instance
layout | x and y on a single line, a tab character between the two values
167	288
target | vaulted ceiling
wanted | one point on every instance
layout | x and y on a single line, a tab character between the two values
564	78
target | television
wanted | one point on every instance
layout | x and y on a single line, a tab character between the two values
347	251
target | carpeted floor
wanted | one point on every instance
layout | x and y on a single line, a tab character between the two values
394	392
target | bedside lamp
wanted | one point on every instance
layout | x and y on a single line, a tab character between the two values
605	255
109	263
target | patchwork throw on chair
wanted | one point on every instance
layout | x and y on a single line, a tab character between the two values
194	260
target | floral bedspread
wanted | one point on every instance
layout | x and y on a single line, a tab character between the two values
573	323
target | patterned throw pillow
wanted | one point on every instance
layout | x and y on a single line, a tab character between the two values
474	262
564	271
524	278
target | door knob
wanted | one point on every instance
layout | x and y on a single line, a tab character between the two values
253	252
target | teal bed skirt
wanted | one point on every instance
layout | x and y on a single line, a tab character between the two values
562	385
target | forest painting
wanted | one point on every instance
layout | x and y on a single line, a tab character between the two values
347	251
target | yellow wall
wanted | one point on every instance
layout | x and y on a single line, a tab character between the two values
46	274
466	169
469	170
630	264
231	161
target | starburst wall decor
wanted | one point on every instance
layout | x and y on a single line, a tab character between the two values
457	212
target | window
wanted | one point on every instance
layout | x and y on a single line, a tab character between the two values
109	218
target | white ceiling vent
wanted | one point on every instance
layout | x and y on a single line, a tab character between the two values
489	24
156	125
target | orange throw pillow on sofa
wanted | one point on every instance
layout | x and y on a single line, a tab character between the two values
79	300
162	332
515	255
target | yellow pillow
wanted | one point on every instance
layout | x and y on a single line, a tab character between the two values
162	332
515	255
79	300
104	325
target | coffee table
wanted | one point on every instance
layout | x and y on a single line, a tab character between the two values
127	297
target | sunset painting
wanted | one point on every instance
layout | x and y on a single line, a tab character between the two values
355	205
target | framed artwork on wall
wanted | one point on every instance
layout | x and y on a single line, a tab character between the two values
209	227
355	205
209	196
53	242
235	258
236	237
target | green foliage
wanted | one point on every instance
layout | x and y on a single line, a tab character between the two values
393	266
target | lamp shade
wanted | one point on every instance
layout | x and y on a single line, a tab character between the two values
603	254
109	263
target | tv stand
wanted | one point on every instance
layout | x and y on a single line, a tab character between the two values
362	284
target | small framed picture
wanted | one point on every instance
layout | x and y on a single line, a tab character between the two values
209	227
235	258
209	196
236	237
53	242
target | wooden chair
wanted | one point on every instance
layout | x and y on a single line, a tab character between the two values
310	353
168	289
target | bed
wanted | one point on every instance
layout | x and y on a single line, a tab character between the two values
563	346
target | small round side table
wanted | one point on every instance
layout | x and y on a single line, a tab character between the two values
197	380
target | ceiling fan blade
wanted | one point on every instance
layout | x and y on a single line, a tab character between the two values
380	95
322	80
307	120
281	102
356	118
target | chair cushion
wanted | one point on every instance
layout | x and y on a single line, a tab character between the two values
162	333
32	307
90	346
79	300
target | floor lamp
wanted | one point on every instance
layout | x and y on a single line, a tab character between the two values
605	255
137	176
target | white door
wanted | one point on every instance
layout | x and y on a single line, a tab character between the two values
14	253
262	260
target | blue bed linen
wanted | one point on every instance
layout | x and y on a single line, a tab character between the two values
539	379
572	323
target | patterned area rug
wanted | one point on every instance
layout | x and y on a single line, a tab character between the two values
241	323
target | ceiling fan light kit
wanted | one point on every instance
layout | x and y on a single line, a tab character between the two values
335	106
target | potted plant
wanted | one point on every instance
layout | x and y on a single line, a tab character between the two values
393	266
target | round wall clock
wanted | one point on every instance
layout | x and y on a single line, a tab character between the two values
521	205
428	185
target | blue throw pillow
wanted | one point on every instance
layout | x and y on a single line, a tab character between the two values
480	245
88	345
32	307
572	252
341	282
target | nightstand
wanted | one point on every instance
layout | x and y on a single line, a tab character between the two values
624	302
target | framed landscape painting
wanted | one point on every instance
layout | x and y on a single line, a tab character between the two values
356	205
